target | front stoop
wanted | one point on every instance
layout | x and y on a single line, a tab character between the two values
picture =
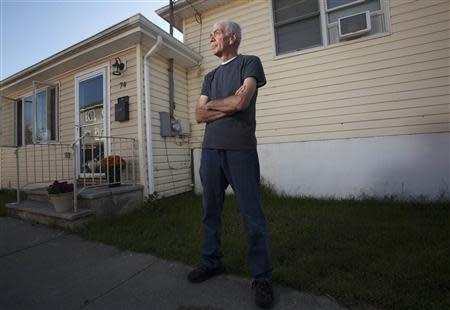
107	202
95	203
43	212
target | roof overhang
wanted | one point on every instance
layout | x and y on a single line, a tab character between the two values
183	9
136	29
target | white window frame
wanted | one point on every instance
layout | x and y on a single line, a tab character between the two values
324	11
57	87
336	8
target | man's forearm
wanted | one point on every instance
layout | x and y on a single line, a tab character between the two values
206	116
208	111
213	115
237	102
230	105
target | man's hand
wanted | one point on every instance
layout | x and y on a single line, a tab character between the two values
203	115
238	102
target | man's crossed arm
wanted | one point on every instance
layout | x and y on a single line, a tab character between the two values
208	111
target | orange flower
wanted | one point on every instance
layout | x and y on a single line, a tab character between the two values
112	161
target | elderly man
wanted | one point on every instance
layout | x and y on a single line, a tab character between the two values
229	157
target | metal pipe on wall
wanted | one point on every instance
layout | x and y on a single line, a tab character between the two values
148	115
171	89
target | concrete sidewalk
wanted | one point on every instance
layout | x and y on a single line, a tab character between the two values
43	268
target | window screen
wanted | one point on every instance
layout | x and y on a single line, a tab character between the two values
297	24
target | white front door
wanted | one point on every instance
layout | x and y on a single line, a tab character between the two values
91	118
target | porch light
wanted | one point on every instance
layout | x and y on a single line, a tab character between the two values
118	67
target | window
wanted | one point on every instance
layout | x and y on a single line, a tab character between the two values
297	25
303	24
37	122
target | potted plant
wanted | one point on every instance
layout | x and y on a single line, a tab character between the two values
61	195
113	164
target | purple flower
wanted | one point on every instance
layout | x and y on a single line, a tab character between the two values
60	187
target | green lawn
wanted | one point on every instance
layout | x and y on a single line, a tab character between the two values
387	254
5	197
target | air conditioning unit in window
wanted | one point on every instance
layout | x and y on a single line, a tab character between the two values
354	25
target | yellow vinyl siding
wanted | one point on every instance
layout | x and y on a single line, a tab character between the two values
67	97
390	84
8	167
126	129
7	122
171	155
38	164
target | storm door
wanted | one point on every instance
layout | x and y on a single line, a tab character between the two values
91	121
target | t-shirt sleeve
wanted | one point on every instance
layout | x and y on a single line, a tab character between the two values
253	68
206	88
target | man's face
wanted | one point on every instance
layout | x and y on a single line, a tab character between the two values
218	40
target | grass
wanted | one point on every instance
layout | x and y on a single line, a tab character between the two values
6	196
388	254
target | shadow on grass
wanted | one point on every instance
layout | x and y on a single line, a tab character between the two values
385	253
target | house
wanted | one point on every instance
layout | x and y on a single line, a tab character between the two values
61	116
357	99
364	112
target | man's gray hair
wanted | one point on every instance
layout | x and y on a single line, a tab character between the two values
231	27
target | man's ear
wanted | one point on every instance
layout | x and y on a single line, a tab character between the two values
233	38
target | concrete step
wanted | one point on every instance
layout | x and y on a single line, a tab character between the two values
44	213
37	194
40	193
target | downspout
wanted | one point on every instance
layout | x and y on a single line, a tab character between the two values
148	114
141	120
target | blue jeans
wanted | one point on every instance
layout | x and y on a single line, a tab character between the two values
240	169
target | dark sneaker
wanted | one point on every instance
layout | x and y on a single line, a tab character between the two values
203	273
263	293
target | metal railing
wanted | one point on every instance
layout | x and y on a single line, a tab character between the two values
90	161
43	163
103	158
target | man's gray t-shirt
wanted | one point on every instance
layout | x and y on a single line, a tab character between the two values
236	131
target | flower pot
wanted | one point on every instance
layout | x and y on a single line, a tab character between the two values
62	202
113	176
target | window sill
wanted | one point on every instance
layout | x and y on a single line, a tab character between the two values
42	143
48	142
336	45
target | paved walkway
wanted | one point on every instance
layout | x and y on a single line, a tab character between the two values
43	268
